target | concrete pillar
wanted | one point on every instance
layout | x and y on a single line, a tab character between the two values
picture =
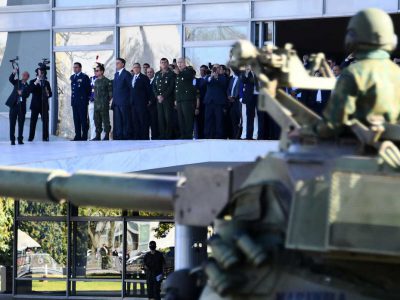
190	246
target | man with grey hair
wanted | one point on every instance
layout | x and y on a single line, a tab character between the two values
185	95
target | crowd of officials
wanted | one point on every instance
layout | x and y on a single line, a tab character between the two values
172	103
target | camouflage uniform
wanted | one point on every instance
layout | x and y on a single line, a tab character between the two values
371	86
102	96
185	93
164	84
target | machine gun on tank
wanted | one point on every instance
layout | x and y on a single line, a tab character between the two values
310	221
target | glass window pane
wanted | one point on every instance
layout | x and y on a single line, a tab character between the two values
64	64
11	45
140	15
22	2
85	17
150	44
42	287
30	208
42	250
97	249
219	11
66	3
84	38
215	33
198	56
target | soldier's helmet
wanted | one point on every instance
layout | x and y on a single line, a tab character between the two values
371	29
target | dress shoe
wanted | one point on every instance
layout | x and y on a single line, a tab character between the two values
75	139
97	138
106	137
12	143
30	140
20	142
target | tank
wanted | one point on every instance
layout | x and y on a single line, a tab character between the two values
317	219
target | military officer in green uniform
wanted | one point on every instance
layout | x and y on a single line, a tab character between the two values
185	97
164	90
102	97
371	86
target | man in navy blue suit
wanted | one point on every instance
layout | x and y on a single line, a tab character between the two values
81	91
250	98
140	99
214	101
121	101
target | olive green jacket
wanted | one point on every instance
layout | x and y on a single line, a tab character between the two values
164	85
371	86
184	88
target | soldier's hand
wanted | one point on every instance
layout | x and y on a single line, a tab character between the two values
15	71
176	71
19	92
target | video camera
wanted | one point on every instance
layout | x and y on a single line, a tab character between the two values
15	60
44	65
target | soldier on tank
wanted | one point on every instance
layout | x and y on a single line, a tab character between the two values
102	97
371	86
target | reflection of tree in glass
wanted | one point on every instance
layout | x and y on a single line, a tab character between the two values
64	63
6	233
215	33
52	237
3	41
149	44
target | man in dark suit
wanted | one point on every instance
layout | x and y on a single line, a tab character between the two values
140	99
250	98
214	101
201	86
17	104
41	92
81	92
152	107
235	105
121	102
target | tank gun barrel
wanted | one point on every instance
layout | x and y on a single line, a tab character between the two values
118	191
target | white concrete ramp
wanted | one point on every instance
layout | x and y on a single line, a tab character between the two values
131	156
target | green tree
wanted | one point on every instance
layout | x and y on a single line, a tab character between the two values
6	230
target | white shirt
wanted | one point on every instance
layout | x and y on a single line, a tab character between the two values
119	72
235	79
134	79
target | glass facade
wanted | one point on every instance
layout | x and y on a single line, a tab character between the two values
75	251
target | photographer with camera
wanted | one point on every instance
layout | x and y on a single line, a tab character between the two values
41	92
17	103
215	101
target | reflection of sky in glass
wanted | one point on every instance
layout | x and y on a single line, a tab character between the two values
217	33
3	41
22	2
64	64
150	44
84	38
198	56
64	3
